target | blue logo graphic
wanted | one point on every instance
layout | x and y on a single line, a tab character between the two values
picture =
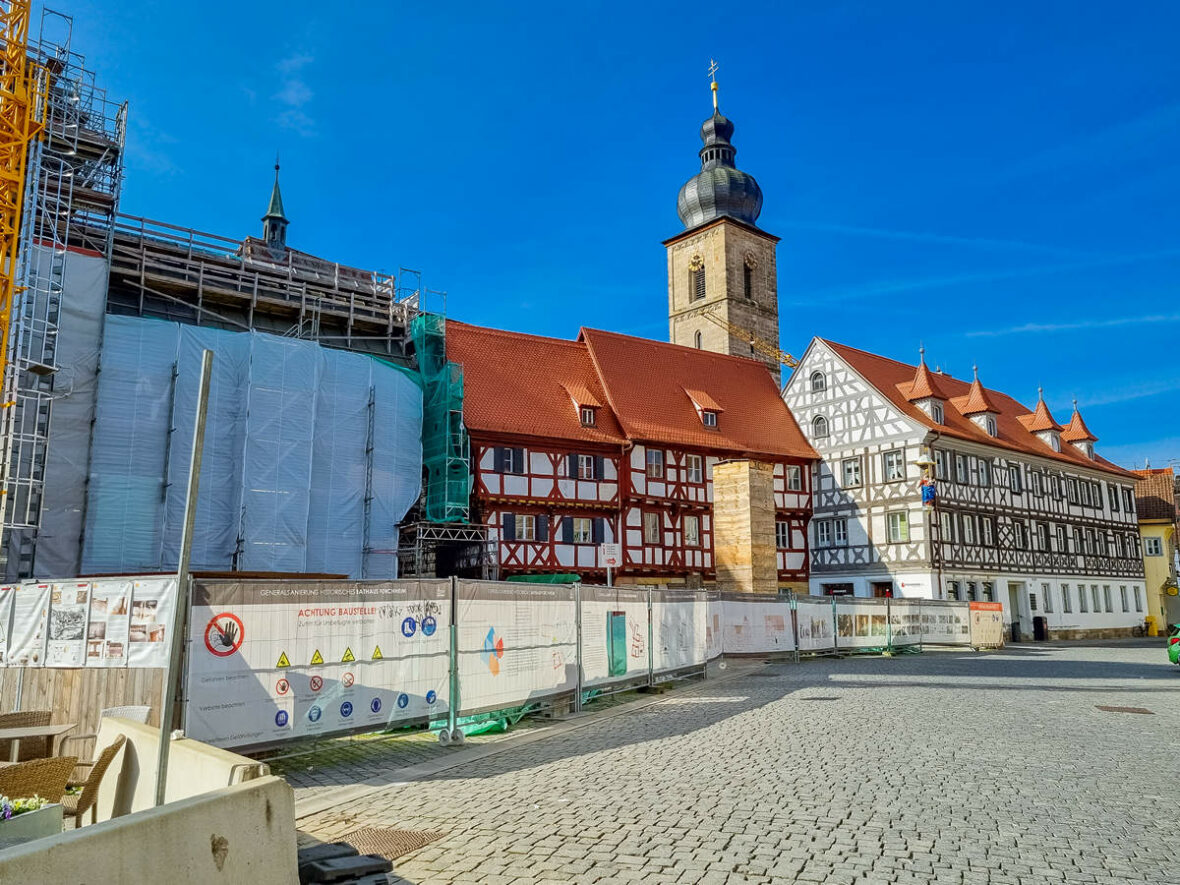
375	705
403	701
346	709
409	625
281	718
429	625
431	697
314	714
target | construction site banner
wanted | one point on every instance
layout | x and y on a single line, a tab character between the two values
274	660
110	622
813	616
679	619
714	626
7	597
987	624
861	623
756	624
518	643
614	635
945	622
905	621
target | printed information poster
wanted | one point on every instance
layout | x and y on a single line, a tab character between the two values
30	615
754	626
614	634
7	593
110	619
987	624
152	604
946	623
271	661
815	625
678	629
69	605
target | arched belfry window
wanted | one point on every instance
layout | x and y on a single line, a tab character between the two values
818	382
696	340
819	427
696	278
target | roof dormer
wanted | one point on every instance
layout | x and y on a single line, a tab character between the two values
1040	423
708	409
925	392
1078	434
978	407
586	404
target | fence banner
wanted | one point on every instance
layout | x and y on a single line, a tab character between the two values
905	621
274	660
30	616
517	643
861	623
7	596
814	618
714	626
756	624
945	622
614	635
987	624
679	619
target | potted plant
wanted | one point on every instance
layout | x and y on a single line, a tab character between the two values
25	819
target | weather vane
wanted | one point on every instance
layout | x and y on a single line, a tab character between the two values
713	81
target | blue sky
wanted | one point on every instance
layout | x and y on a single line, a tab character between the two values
999	181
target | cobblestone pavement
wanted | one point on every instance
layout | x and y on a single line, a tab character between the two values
947	767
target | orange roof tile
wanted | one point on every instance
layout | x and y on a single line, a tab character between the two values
1077	431
646	381
924	385
1039	419
703	400
1155	495
519	384
890	377
976	401
581	394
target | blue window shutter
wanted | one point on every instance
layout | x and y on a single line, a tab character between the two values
597	530
509	527
599	467
518	458
498	459
573	471
542	523
567	529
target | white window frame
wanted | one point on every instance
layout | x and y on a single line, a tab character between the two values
1047	596
589	415
850	466
1066	602
823	533
1094	596
819	382
1153	547
692	531
1138	593
968	528
586	467
526	526
654	460
694	468
897	526
782	535
708	417
960	468
840	532
936	412
820	428
893	465
987	531
583	530
985	472
794	475
653	526
990	426
1123	597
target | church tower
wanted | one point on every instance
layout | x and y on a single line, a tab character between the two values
722	265
274	222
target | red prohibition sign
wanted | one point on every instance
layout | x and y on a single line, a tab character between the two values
224	634
347	679
282	686
317	682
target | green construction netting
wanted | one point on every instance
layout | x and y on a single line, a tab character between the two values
544	579
446	450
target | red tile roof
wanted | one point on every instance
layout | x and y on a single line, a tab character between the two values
524	385
646	382
1039	419
1077	431
976	401
890	376
1155	496
924	385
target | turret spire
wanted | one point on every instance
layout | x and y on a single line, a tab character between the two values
274	222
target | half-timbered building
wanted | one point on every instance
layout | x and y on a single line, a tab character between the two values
612	438
1025	512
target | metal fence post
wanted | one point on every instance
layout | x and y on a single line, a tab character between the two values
578	650
835	630
889	625
453	688
795	622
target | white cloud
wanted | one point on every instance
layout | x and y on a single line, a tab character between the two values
1075	326
294	95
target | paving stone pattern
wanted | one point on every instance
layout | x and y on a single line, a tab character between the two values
946	767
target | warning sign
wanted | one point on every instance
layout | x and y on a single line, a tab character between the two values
283	662
348	658
347	679
282	686
377	654
317	658
317	682
224	634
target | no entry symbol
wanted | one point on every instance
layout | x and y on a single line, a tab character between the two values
282	686
317	682
224	634
347	679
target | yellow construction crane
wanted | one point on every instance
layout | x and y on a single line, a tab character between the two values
756	344
21	101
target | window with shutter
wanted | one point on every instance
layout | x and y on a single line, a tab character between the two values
598	528
509	526
567	530
542	527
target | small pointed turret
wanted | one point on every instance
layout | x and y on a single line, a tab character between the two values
1077	431
924	385
977	400
1041	419
274	222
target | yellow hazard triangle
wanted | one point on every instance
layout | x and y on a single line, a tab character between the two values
317	658
348	656
283	662
377	656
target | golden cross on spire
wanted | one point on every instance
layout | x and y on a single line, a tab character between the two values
713	81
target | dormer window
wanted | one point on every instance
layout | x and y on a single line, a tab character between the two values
707	408
1055	442
708	417
936	411
990	425
589	415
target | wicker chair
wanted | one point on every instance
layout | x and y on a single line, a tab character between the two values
77	804
46	778
30	748
131	713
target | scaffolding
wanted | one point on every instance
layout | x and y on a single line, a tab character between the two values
73	171
446	449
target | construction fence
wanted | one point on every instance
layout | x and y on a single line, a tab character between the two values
270	661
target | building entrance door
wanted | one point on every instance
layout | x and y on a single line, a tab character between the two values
1016	612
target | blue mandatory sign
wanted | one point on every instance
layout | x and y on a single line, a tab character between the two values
346	709
314	714
409	625
403	701
375	705
431	697
281	718
429	625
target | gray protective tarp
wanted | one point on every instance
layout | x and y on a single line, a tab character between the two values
298	437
